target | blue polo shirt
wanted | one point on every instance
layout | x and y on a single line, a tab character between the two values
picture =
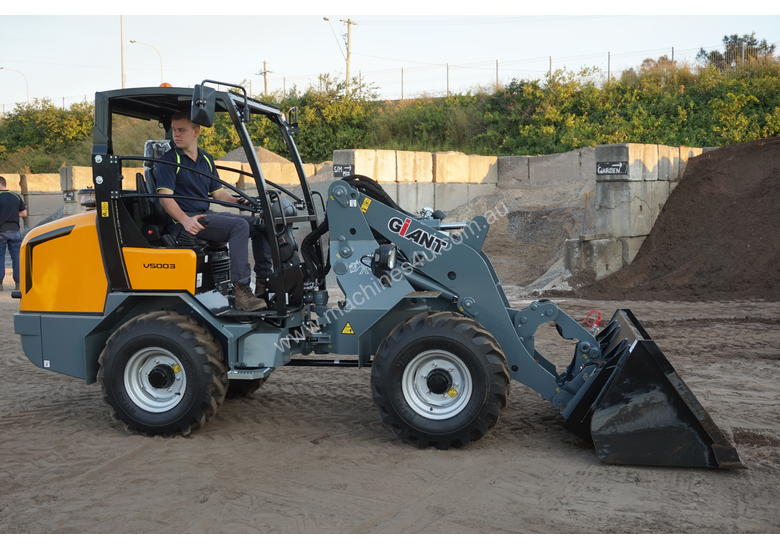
185	182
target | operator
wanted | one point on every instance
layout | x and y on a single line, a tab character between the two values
12	208
195	217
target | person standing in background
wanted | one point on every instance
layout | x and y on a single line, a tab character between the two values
12	208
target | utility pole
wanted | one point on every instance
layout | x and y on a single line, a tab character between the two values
402	82
265	72
284	86
609	65
672	54
496	74
550	66
122	46
448	79
348	22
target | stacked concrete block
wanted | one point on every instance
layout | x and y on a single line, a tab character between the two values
630	247
513	171
12	182
595	258
423	167
649	162
404	166
668	163
43	183
385	167
630	153
450	167
364	160
474	190
448	196
233	178
557	168
483	169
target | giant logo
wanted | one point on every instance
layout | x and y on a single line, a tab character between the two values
418	236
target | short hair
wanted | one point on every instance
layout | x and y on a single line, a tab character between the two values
2	181
181	115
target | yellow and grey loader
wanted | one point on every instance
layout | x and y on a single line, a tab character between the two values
107	295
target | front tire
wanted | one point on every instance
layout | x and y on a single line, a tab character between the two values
162	374
440	379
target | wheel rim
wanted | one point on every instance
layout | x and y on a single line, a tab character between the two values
155	379
437	384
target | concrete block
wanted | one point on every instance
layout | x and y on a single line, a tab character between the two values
512	171
687	153
43	204
324	172
423	167
474	190
483	169
426	195
448	196
552	169
128	178
226	175
450	167
43	183
674	170
408	196
271	171
12	182
595	259
385	171
404	166
81	177
587	164
622	152
626	209
364	160
391	189
665	162
631	246
289	175
650	162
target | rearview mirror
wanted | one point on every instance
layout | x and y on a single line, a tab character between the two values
203	105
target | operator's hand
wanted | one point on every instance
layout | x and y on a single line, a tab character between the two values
192	224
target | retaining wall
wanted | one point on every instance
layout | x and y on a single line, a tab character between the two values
617	208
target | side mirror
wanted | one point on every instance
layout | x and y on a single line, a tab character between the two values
292	120
203	105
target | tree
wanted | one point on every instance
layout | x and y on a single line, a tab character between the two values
737	50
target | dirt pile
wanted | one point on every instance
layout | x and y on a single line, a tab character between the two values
717	237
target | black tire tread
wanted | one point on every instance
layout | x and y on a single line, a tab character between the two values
203	343
466	328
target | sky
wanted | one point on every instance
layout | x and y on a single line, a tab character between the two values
68	57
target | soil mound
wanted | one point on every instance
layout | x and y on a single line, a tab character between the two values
717	237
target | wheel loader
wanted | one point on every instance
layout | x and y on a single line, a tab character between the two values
111	296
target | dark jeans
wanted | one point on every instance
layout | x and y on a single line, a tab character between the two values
13	240
235	230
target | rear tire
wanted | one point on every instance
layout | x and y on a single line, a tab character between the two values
162	373
440	379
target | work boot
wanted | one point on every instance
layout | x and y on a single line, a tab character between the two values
260	289
245	300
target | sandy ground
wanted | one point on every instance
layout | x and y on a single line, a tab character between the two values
309	454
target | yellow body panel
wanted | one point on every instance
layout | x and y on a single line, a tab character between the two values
161	268
67	271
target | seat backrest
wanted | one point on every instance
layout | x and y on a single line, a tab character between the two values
153	148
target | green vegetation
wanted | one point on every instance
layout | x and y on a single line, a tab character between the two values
660	102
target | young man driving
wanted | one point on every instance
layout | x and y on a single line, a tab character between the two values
194	215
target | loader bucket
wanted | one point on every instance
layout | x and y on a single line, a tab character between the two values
639	411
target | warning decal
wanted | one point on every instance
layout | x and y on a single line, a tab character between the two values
347	329
365	205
